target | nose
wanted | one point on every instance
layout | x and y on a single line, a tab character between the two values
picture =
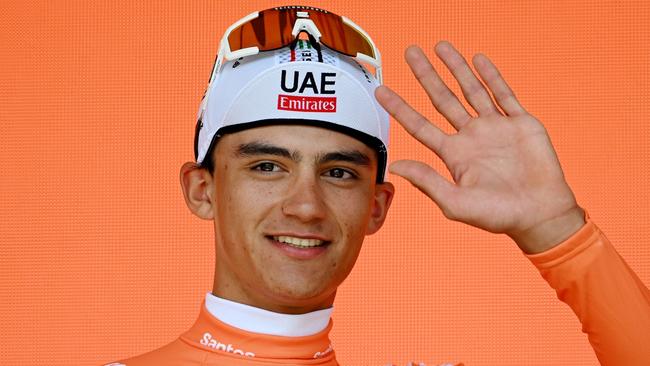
304	199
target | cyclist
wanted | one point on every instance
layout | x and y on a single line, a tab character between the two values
291	153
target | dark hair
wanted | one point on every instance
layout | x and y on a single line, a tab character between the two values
208	160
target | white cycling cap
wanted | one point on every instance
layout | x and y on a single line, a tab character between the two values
307	86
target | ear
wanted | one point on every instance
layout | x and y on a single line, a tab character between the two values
383	197
197	186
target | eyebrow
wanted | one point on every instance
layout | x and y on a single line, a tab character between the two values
350	156
263	148
256	148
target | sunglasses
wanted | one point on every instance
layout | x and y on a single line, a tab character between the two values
279	27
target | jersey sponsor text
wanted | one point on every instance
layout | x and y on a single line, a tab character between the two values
208	341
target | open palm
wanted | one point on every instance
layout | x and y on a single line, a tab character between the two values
507	177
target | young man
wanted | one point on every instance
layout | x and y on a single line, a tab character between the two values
291	155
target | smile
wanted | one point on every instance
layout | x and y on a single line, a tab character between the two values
299	242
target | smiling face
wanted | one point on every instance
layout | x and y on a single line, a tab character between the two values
291	207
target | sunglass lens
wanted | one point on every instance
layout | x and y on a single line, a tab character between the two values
269	31
339	36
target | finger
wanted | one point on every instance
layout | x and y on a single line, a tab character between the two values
427	180
498	86
472	88
414	123
442	98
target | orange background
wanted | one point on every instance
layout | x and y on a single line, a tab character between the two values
101	260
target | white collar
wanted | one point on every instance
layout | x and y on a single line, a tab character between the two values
256	320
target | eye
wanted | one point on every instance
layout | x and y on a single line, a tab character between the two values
267	167
340	173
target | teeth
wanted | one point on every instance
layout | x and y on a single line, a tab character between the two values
298	242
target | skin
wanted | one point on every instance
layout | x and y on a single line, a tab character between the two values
507	177
275	180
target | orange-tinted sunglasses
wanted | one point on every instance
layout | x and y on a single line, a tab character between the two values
275	28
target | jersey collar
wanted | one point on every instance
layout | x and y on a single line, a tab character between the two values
258	320
211	334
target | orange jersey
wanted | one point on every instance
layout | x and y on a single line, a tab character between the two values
587	273
212	342
609	299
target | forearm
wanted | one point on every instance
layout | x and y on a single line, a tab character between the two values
611	302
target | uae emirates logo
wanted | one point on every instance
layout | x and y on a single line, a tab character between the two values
306	104
307	81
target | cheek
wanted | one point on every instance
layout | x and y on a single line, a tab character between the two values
353	210
232	212
242	205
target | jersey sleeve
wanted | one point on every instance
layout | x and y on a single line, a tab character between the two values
611	302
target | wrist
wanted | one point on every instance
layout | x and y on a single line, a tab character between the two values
551	232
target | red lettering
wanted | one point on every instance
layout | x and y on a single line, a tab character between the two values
306	104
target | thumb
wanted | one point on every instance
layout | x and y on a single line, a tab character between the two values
427	180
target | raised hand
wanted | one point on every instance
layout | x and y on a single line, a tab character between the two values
507	177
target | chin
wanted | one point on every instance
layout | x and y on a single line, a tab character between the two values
302	297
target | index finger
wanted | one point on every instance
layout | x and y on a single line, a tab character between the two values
443	99
414	123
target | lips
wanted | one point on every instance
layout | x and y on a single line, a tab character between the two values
299	247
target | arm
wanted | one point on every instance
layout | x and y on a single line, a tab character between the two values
611	302
508	179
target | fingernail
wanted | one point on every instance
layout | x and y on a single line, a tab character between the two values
479	60
444	46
